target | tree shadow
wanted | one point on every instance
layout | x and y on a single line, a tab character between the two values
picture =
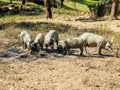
76	53
100	56
36	26
24	12
90	19
46	26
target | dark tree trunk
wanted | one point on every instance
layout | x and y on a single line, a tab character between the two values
61	3
114	9
23	2
10	1
48	9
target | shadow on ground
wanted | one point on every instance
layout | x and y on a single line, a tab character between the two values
13	53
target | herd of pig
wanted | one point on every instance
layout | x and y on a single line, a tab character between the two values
52	37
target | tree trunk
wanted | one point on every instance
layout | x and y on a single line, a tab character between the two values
10	1
114	9
23	2
48	9
61	3
57	6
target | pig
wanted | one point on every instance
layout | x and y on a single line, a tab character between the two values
39	41
94	40
26	39
71	43
51	38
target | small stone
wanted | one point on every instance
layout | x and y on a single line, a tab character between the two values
20	79
118	26
97	85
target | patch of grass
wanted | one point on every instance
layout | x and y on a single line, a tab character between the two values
68	8
9	18
3	2
39	26
116	37
81	5
12	30
30	10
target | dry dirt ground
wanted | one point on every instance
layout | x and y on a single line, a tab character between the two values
51	71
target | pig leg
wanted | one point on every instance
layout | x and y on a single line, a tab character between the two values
41	46
65	51
25	45
81	51
46	47
99	49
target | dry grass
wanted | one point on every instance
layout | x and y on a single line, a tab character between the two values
11	30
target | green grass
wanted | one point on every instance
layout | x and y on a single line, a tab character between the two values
68	8
4	2
80	5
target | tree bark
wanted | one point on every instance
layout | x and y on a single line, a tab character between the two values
48	9
61	3
10	1
58	6
23	2
114	9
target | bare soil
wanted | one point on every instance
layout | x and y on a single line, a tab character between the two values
20	70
